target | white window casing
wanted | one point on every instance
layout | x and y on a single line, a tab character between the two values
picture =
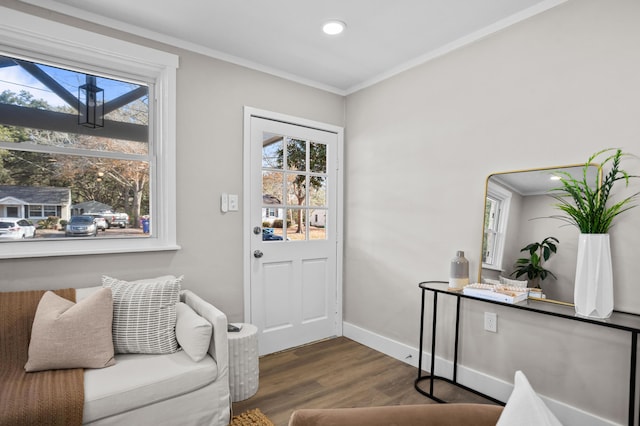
29	36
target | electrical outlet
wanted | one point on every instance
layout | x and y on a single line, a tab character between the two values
491	322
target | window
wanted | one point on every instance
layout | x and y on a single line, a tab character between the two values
34	211
496	216
294	176
49	137
50	211
87	125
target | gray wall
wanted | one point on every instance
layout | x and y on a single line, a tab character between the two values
548	91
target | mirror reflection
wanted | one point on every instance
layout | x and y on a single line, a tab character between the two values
517	214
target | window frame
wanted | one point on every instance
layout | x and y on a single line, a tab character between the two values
29	36
503	197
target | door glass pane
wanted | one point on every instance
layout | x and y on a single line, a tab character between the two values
272	188
318	157
272	150
297	155
297	231
296	189
318	224
318	191
272	232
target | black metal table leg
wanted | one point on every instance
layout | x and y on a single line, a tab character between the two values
632	378
455	349
432	376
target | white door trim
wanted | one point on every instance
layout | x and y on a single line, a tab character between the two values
246	200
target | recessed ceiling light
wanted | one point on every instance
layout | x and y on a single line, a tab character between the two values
333	27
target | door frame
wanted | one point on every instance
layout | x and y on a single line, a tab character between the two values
246	199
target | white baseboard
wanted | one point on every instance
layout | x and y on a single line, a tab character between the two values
496	388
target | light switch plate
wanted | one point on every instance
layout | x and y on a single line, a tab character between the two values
233	202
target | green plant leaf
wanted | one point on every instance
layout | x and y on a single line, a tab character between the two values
585	205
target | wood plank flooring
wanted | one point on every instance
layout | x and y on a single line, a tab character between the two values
336	373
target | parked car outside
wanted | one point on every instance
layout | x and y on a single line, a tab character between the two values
268	235
116	219
121	219
13	228
101	221
83	226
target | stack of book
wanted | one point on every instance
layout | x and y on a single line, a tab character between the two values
498	293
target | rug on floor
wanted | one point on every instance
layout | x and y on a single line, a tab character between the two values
253	417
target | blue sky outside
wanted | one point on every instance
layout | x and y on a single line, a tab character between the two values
16	79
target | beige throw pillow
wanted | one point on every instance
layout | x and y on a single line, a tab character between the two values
72	335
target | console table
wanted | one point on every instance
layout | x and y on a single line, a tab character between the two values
618	320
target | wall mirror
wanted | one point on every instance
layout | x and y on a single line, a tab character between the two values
518	206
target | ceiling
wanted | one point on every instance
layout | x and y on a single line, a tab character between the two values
284	37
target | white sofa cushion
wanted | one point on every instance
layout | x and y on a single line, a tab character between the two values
192	332
137	380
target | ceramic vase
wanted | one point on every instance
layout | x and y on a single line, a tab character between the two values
593	292
459	273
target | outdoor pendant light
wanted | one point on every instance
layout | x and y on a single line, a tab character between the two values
91	104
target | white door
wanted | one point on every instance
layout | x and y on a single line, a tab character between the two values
294	285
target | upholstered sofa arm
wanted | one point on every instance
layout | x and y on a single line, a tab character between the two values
401	415
219	345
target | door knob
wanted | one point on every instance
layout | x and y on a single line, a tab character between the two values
257	230
257	254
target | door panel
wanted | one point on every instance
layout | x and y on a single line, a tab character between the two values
314	286
278	295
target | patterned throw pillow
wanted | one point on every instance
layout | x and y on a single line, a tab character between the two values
144	314
514	283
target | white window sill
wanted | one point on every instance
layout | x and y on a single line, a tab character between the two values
27	249
492	267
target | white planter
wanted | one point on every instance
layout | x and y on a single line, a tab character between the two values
593	293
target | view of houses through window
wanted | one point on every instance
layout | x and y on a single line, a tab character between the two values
73	144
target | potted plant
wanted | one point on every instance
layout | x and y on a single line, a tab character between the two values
587	206
532	265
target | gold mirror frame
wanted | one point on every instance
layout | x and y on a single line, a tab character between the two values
529	221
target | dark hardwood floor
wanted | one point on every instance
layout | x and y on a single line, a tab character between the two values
337	373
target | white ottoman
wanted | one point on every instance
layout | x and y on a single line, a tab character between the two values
243	362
